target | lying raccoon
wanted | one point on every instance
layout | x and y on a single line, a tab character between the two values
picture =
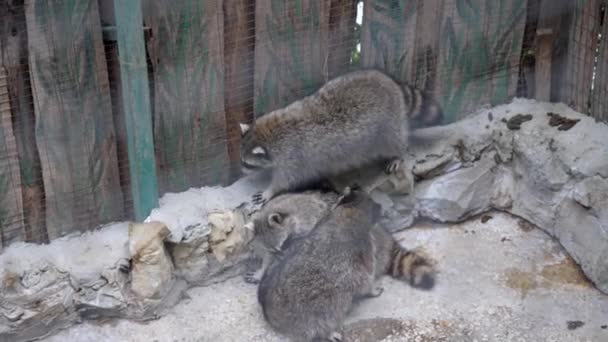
307	292
286	216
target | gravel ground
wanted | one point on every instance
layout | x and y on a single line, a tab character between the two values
502	280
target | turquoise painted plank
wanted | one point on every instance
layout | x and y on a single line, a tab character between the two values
136	102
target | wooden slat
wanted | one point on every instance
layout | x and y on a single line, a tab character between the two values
136	106
14	56
294	54
481	47
74	128
342	42
576	26
239	44
389	36
11	211
186	50
599	100
466	52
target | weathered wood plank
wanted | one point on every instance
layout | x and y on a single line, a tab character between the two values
389	36
74	128
599	99
296	49
464	51
578	28
11	211
186	50
136	106
342	42
108	23
239	47
14	56
481	48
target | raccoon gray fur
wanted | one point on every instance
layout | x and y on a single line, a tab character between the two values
287	215
308	291
354	119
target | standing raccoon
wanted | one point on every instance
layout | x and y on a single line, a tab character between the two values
286	216
354	119
307	293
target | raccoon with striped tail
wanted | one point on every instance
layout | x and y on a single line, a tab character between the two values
308	291
354	119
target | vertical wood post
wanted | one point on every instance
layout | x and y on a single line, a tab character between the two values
544	53
136	105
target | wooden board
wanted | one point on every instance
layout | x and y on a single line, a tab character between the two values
389	36
186	50
599	100
573	76
294	50
480	52
466	52
74	128
11	211
136	104
239	47
14	56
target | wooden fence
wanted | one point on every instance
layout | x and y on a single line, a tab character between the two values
74	106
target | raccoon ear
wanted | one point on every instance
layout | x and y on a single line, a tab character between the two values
258	150
244	128
275	219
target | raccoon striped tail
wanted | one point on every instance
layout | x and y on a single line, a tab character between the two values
412	266
424	110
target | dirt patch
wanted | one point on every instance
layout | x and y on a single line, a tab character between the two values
389	330
525	225
566	271
521	281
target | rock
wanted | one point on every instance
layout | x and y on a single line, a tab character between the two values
554	178
152	269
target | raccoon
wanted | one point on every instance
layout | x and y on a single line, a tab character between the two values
308	291
354	119
286	216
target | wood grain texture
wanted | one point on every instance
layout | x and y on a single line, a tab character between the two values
136	106
599	99
466	52
14	56
239	49
574	51
187	54
481	47
297	49
11	210
74	128
389	36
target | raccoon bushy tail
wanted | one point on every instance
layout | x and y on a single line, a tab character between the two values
412	266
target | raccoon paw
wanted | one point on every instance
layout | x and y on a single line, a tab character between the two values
253	277
393	166
259	198
335	337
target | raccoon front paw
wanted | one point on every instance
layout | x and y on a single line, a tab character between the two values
393	166
253	277
335	337
259	198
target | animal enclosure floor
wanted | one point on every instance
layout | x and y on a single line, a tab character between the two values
502	280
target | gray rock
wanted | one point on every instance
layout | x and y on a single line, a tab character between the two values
554	179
